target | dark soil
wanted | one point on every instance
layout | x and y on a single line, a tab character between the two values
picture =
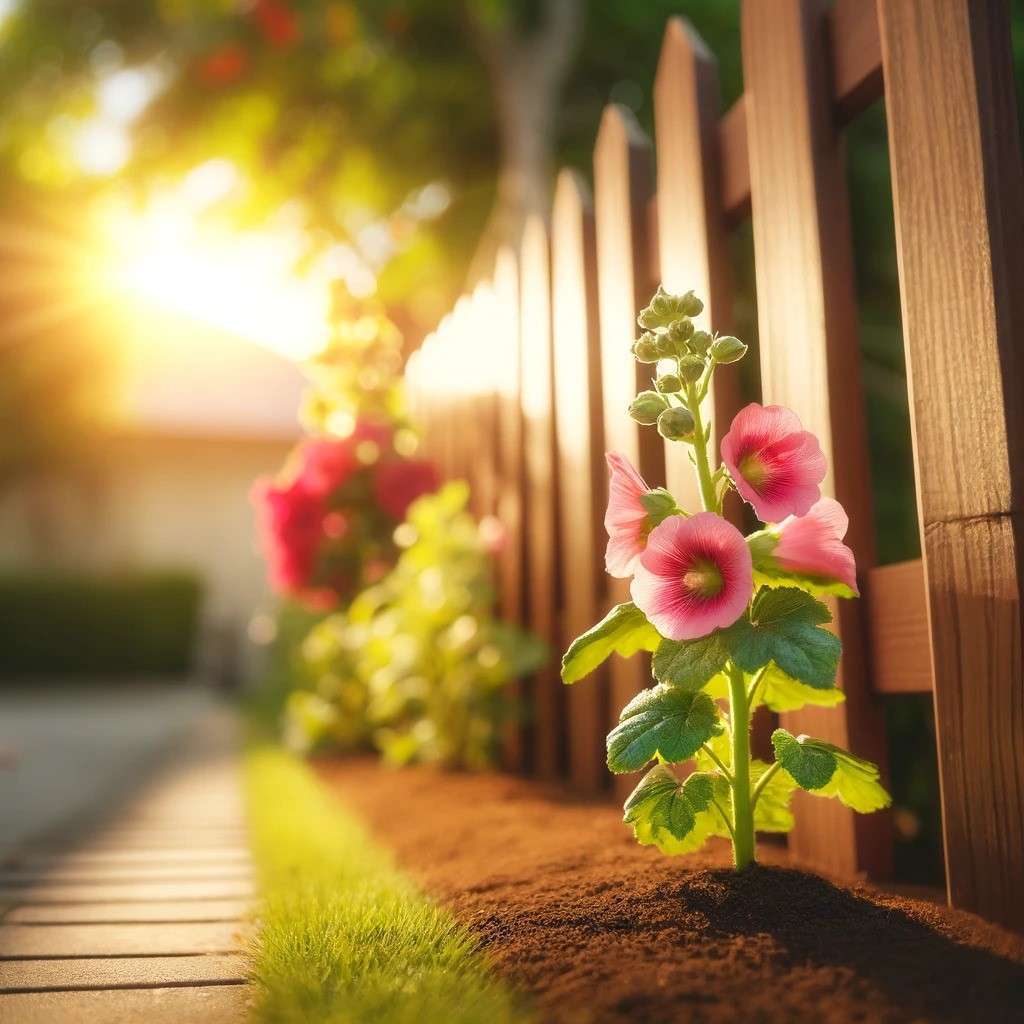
597	929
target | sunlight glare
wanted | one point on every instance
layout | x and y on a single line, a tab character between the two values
240	282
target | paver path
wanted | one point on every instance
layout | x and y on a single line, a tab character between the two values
139	915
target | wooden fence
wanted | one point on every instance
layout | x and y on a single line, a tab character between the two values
560	314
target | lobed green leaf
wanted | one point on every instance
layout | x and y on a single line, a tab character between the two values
664	722
827	770
624	630
677	818
690	664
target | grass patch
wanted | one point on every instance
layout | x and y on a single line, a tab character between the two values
344	936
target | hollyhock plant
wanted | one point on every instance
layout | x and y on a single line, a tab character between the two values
774	463
326	525
733	622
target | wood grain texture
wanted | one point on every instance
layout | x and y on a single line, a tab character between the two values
541	521
959	205
693	242
897	610
810	361
622	190
511	473
580	433
854	82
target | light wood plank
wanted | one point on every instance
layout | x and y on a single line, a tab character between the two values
537	398
580	429
810	362
959	205
897	610
622	191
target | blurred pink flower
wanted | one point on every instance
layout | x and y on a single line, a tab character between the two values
325	464
813	544
291	521
775	464
398	483
695	576
626	517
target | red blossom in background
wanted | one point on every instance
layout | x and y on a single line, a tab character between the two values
226	64
398	484
278	22
291	529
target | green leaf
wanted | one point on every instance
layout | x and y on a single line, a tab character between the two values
691	663
663	722
660	505
781	693
675	818
772	813
784	628
827	770
624	630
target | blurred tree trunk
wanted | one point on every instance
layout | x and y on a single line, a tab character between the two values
527	71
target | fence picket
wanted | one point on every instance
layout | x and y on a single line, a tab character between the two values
541	534
959	203
622	190
580	431
810	361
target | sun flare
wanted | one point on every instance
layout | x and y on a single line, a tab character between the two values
243	282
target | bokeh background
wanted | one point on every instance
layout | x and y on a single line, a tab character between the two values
190	189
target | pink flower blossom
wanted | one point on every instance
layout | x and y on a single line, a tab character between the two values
626	517
813	545
775	464
399	483
695	576
291	528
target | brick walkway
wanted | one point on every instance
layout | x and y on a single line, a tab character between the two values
138	916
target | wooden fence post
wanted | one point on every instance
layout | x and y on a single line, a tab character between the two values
622	191
511	478
810	361
541	535
580	430
692	236
959	202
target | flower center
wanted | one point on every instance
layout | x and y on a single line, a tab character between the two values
754	469
703	578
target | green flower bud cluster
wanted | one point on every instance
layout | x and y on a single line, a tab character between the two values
670	337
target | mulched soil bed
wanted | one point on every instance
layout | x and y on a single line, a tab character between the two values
597	929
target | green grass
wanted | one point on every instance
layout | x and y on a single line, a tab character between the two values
343	935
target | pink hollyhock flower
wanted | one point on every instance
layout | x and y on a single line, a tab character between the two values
626	517
325	464
813	545
695	576
399	483
775	464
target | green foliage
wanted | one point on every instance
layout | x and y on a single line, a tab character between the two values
664	722
75	624
827	770
417	666
781	692
342	935
784	628
677	818
691	663
624	630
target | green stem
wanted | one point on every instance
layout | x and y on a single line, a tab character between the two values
742	807
761	783
718	761
708	491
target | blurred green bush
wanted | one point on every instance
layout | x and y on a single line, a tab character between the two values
77	624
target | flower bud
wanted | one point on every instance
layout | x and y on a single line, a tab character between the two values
668	384
646	348
700	342
728	349
676	424
691	305
647	407
662	310
691	368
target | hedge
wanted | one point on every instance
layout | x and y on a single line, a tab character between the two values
111	624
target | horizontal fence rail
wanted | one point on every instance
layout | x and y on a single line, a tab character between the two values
558	317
